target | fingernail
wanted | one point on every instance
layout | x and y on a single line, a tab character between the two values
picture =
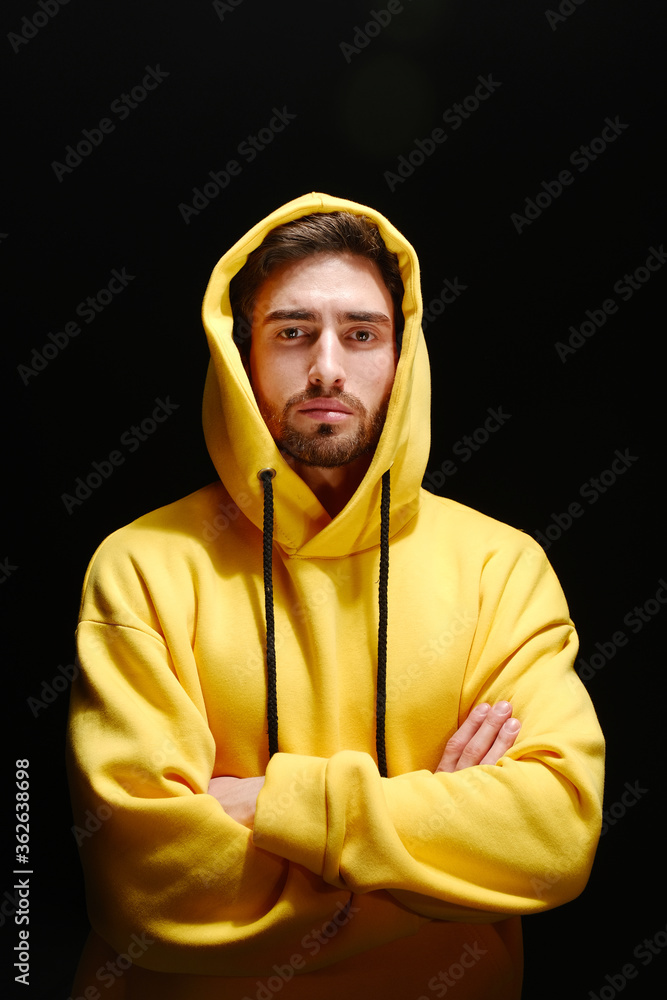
482	709
503	706
512	726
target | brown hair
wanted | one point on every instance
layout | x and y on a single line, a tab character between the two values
331	232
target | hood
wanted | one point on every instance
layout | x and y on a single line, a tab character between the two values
240	444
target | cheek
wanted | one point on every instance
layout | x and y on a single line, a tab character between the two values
274	379
379	377
259	372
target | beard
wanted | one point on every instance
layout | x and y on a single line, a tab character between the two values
326	446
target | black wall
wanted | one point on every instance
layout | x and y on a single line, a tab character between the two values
540	215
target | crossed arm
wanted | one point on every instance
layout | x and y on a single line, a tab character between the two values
485	736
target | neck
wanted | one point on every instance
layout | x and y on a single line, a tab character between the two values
334	488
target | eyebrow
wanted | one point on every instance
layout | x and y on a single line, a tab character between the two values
312	317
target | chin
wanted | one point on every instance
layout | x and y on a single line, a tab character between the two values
326	449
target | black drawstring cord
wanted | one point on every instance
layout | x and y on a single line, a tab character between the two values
266	477
381	690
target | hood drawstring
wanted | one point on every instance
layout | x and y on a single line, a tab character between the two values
381	689
266	477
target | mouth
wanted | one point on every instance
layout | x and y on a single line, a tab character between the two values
325	409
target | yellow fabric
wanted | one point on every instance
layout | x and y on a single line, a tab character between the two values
351	882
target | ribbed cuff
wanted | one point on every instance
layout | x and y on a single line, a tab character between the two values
291	814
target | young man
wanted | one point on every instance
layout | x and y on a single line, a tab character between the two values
293	721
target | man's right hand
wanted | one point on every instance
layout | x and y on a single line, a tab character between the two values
487	734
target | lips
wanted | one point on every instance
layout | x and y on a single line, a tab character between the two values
324	405
325	410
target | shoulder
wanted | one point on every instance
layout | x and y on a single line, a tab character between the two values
474	530
507	563
162	559
169	537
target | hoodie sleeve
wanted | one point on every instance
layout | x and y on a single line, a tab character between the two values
161	857
163	863
487	841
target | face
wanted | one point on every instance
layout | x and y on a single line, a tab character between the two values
323	357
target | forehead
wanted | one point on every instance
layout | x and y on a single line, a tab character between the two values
321	280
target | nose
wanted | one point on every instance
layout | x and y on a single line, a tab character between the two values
327	368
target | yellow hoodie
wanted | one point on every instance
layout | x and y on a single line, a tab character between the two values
403	886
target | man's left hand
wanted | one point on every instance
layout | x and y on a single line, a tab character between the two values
485	736
237	796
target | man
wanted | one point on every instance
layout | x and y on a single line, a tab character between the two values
294	723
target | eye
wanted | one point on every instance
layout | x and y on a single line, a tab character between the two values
291	333
363	336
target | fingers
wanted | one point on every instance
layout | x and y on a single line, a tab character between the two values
484	739
459	741
487	734
237	796
503	741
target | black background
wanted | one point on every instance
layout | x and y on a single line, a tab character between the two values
225	71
